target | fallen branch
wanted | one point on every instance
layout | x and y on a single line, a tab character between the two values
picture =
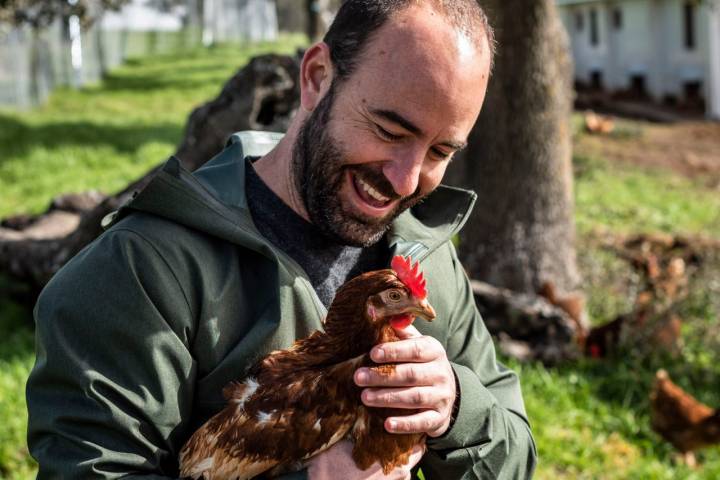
528	327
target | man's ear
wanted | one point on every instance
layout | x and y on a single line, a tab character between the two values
316	74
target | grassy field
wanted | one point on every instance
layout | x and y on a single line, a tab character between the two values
590	418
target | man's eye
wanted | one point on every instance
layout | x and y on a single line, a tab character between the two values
440	155
387	135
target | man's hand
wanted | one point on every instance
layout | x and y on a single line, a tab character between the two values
423	380
337	462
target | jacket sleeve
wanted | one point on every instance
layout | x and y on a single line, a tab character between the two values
490	437
111	390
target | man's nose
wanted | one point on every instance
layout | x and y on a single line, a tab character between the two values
403	171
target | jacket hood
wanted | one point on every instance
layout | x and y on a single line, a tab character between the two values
212	200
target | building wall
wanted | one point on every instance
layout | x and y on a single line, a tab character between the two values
649	43
713	67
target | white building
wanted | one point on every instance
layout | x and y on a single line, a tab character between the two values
666	49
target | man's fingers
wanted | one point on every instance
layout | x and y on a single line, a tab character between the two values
427	421
403	375
411	397
416	349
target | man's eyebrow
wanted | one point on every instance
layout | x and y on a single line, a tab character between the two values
455	145
395	117
399	119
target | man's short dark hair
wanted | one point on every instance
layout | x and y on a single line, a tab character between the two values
357	20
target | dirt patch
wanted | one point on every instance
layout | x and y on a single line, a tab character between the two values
691	148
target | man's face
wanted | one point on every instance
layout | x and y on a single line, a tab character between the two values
323	167
380	140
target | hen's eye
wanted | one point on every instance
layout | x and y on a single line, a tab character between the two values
394	295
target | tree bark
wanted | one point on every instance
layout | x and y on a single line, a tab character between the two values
262	95
518	160
316	26
527	326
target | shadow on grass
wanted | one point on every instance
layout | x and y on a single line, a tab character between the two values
16	322
17	137
160	81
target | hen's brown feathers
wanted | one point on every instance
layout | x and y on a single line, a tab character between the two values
681	419
296	403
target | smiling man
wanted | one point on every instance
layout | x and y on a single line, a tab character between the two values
203	273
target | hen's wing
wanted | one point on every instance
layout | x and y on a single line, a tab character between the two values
272	421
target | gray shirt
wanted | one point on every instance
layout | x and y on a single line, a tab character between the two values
328	263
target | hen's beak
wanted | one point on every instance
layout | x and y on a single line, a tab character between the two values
424	310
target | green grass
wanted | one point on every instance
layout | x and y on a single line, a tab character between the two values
590	418
104	136
16	358
631	199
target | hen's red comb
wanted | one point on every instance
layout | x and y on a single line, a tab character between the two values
410	275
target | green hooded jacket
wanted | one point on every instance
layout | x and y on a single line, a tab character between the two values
139	333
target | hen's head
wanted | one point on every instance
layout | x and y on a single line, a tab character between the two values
370	302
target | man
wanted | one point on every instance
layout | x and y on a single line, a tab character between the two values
201	274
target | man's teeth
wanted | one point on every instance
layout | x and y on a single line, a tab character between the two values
372	192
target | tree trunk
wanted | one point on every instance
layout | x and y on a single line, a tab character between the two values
36	94
315	24
518	160
100	48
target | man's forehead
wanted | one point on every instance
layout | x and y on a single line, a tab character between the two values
421	68
423	31
420	45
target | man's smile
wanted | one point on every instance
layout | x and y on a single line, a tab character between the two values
367	199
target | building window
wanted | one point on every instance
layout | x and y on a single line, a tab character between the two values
617	18
594	39
693	91
637	86
689	14
579	21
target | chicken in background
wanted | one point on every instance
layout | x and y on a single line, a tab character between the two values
642	328
662	261
681	419
297	403
599	124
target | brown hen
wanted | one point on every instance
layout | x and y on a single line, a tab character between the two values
298	402
682	420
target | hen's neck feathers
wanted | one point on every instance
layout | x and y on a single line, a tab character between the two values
348	331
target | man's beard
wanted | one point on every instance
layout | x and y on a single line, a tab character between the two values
319	171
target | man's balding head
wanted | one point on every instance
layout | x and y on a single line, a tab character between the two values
385	102
358	20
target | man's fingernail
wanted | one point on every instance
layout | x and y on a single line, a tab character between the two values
379	354
362	376
392	424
